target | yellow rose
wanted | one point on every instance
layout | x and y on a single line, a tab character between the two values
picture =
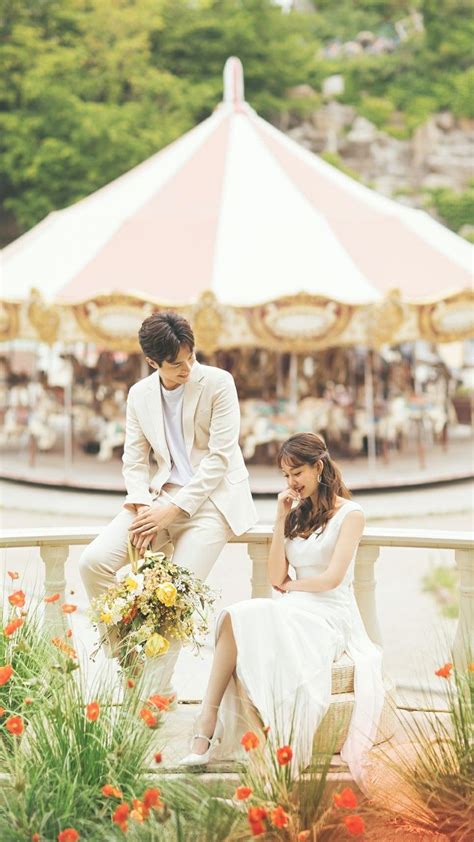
167	594
106	617
156	645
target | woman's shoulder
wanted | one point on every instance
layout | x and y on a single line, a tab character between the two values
350	507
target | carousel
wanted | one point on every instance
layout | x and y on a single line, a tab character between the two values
336	309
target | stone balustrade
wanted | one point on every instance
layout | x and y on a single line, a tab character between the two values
54	550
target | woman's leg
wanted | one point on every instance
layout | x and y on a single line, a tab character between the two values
223	666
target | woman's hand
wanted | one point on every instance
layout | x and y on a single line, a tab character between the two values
284	585
285	501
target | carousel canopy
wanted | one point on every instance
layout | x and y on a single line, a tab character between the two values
238	208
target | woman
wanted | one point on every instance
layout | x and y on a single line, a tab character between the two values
278	654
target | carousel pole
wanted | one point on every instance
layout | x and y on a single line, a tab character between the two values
370	411
293	389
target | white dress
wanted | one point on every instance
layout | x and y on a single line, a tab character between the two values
285	651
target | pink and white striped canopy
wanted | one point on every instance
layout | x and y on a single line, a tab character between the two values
236	207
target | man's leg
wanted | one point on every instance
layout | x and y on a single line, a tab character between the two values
198	542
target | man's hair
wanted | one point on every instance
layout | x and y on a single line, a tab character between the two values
162	335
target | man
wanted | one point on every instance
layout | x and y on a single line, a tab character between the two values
188	415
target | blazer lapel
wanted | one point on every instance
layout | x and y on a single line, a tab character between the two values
153	399
192	392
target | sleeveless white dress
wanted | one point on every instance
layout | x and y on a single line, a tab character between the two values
285	650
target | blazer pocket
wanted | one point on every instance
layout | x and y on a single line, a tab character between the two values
237	475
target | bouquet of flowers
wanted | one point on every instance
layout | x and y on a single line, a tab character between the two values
154	601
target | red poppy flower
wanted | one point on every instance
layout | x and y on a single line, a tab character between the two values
151	798
121	814
12	626
355	825
68	609
257	828
303	836
28	700
249	741
6	673
279	818
14	725
53	598
111	791
92	711
17	598
160	702
256	814
13	575
242	793
139	812
69	633
444	671
130	683
158	757
68	835
284	755
346	798
35	838
63	647
148	717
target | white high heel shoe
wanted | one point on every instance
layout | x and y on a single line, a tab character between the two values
193	759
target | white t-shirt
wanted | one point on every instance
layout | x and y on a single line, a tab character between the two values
172	402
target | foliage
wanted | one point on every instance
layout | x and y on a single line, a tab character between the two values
454	209
335	160
443	583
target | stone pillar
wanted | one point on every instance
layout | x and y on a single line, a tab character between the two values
54	558
259	555
364	589
463	646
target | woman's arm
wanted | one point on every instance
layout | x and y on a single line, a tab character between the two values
277	562
347	543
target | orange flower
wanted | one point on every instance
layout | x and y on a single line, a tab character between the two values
27	700
444	671
355	825
160	702
257	828
68	835
149	718
92	711
35	838
151	798
12	626
63	647
68	609
14	725
471	667
17	598
2	711
284	755
346	798
139	812
303	836
279	818
256	814
249	740
69	633
53	598
158	757
13	575
120	816
242	793
6	673
111	791
130	683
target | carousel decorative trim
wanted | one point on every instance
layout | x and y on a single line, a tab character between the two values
114	320
44	317
449	320
9	320
384	318
300	322
207	319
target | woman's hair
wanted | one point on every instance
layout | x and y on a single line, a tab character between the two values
162	334
307	449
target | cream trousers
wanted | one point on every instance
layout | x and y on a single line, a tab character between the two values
195	542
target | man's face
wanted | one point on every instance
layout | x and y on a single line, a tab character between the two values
176	373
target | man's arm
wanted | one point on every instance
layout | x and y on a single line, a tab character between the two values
223	439
136	462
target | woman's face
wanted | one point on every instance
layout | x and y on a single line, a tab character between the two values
303	478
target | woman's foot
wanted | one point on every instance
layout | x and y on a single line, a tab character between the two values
203	732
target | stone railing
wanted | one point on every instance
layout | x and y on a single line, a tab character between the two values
54	550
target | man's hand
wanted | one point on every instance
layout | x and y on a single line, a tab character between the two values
150	521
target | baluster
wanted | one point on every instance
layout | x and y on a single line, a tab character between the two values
259	555
364	589
54	557
463	646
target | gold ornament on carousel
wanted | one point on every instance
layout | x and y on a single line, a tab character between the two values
207	321
9	320
449	320
43	317
384	318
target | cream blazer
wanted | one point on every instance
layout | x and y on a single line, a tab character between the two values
211	424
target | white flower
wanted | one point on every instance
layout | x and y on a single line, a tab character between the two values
132	581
